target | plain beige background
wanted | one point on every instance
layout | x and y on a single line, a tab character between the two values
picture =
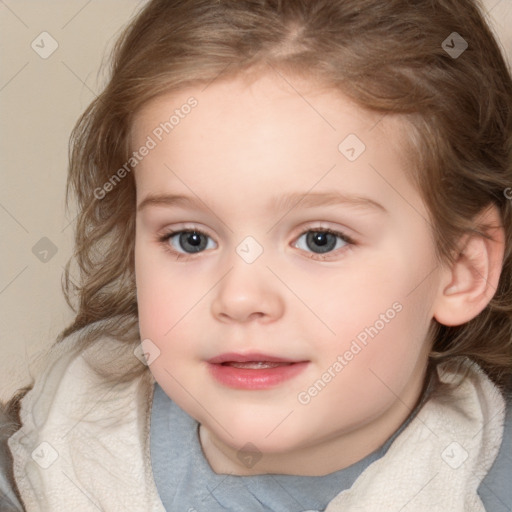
40	100
41	96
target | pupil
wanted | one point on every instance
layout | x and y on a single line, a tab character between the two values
194	237
320	238
321	241
192	241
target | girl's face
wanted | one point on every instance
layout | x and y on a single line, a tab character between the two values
286	273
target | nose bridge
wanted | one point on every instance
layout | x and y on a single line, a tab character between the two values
249	289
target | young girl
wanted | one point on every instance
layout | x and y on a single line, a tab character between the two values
295	257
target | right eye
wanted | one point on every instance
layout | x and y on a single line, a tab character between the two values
189	241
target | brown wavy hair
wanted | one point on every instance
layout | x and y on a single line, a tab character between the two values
386	55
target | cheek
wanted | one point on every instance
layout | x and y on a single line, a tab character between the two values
380	313
172	307
355	298
363	374
166	308
161	297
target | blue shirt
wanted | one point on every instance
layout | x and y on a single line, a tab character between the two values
186	482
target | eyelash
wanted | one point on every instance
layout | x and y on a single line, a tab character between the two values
164	240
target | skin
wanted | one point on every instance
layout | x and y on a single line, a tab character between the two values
243	145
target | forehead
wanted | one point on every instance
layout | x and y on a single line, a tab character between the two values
269	96
276	127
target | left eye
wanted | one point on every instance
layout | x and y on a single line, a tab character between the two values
321	241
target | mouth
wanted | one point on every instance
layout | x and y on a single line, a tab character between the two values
253	371
252	357
254	365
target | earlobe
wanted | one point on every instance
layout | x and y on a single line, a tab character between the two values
473	278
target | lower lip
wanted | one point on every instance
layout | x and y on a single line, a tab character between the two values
264	378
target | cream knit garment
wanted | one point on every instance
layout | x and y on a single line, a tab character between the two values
84	443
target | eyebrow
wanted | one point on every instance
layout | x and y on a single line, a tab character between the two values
277	204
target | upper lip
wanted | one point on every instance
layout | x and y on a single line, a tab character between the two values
244	358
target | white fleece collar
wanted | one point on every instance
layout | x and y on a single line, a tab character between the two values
437	463
84	443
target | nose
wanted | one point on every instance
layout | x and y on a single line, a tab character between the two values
247	292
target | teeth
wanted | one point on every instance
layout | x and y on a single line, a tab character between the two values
254	365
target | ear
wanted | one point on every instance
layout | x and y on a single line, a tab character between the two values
471	281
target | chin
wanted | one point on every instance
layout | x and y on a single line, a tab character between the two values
268	436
